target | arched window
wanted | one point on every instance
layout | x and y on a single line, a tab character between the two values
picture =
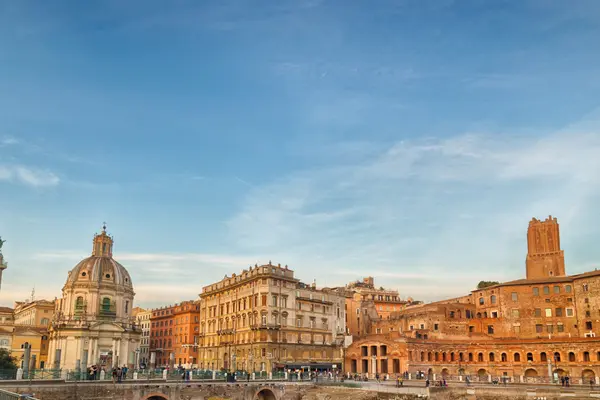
492	357
443	356
503	357
429	356
471	357
79	305
422	356
493	299
557	357
517	357
437	356
452	356
586	356
480	357
543	357
105	304
598	356
529	356
571	357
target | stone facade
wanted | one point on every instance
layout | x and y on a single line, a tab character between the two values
142	318
543	326
93	321
365	303
264	318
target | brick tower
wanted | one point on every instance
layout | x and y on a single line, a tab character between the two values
544	256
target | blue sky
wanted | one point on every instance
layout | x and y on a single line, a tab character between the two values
410	140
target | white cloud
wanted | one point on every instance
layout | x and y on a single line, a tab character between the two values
402	212
28	176
8	141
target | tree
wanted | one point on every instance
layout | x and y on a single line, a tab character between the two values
484	284
7	362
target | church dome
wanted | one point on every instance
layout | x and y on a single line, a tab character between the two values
100	268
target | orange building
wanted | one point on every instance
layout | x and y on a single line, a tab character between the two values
533	329
173	335
186	329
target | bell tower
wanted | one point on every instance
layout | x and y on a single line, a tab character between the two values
544	256
103	244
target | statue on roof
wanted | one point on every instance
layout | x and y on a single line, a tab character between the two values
1	243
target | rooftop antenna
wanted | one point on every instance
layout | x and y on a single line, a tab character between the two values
32	294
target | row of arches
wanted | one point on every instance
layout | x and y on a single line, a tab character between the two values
585	356
586	374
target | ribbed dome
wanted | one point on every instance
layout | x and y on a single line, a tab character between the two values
100	270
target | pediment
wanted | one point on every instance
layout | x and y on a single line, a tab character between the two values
106	326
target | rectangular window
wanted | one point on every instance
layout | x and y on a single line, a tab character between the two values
560	328
588	325
517	329
515	296
536	291
263	299
539	328
435	327
515	313
274	299
558	312
548	312
538	312
491	329
568	288
546	289
556	289
550	328
585	287
299	322
570	312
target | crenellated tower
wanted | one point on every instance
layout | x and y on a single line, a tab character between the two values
544	255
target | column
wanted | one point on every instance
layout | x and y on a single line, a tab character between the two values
90	351
114	353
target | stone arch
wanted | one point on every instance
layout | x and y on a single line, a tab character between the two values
445	373
560	372
531	373
265	394
587	374
481	373
155	396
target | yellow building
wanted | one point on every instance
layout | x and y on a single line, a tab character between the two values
37	313
37	338
6	328
265	319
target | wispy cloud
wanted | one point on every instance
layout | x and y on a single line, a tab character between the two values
28	176
402	212
8	141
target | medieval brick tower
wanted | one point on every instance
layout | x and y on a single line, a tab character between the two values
544	256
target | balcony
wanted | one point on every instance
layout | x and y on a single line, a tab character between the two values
265	326
226	331
108	311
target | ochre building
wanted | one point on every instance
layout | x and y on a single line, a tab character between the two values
538	328
264	319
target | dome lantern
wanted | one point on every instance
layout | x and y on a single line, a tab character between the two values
103	244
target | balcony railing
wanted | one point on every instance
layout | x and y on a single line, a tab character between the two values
265	326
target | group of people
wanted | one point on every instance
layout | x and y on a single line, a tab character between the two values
119	374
